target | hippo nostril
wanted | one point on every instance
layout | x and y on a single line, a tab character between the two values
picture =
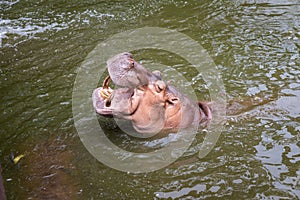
127	54
131	63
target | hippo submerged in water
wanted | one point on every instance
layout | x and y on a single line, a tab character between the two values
145	99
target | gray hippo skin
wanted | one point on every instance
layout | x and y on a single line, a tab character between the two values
148	102
126	72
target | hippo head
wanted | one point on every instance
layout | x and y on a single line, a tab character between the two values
144	105
152	108
147	101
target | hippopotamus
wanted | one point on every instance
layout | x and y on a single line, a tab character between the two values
145	99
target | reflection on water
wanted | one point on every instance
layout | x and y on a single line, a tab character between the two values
256	46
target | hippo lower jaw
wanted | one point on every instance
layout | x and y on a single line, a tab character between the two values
121	103
99	104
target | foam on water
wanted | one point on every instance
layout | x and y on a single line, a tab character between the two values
28	27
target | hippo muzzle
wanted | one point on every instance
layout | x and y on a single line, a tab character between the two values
126	72
147	101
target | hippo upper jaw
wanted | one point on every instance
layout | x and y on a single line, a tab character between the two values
126	72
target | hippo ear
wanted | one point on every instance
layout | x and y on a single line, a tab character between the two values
173	100
157	73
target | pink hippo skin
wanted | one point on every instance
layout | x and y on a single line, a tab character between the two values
148	102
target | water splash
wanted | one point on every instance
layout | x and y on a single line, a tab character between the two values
14	31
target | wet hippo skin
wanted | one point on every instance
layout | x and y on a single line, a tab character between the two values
144	106
147	101
126	72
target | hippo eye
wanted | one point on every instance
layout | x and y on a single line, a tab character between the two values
160	86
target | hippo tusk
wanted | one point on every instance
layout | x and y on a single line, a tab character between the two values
106	82
109	99
106	91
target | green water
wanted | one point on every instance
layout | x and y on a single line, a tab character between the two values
256	47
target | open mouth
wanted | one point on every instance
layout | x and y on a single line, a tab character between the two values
106	101
102	98
101	104
146	100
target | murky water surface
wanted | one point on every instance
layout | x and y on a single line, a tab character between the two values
256	46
